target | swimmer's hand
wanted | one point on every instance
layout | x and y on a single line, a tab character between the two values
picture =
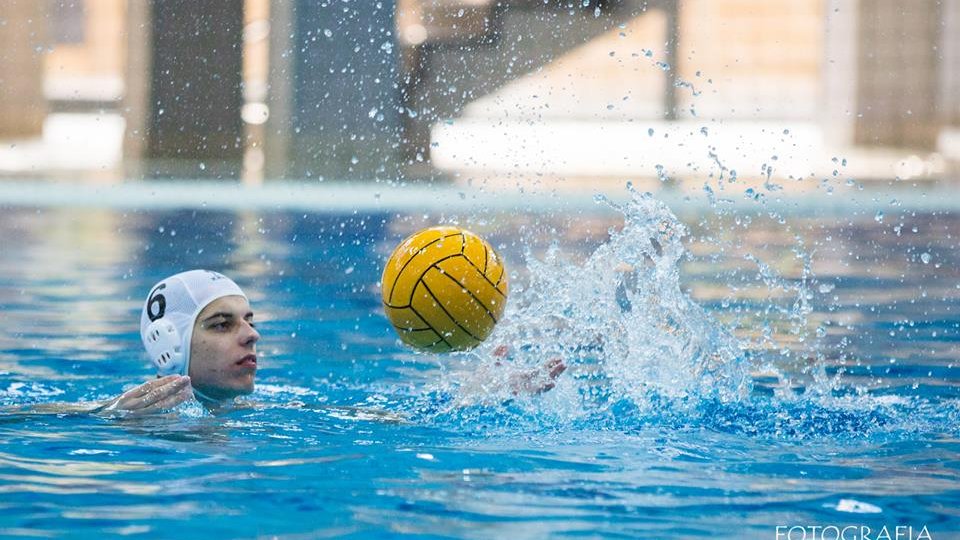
154	396
535	381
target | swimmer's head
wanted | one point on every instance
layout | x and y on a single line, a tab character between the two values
199	323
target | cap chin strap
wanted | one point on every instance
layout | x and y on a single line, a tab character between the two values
164	348
201	397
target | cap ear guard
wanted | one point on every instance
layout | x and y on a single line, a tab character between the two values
162	342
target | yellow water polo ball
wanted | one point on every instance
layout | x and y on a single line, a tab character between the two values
444	289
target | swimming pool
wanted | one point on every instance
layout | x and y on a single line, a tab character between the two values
812	380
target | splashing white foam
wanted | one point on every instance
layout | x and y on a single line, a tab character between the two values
619	319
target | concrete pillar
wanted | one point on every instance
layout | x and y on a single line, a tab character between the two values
23	44
194	126
950	62
136	96
335	98
839	111
672	10
279	90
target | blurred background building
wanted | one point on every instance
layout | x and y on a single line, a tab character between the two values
515	90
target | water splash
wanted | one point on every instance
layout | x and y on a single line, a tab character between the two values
619	320
641	352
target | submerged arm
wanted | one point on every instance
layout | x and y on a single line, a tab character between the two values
150	397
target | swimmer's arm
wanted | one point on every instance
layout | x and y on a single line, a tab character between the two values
154	396
151	397
51	408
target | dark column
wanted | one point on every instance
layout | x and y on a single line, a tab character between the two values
196	91
342	114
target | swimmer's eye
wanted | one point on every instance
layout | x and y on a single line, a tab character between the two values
224	324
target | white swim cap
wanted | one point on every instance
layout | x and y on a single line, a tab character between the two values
171	308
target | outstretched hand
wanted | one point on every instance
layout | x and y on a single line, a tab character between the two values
535	381
154	396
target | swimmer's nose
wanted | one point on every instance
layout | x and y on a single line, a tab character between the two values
250	336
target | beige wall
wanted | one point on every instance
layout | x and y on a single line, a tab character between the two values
22	42
607	78
746	59
898	76
764	57
103	50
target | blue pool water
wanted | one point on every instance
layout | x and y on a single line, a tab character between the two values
758	369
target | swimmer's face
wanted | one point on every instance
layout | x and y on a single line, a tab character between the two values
223	354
